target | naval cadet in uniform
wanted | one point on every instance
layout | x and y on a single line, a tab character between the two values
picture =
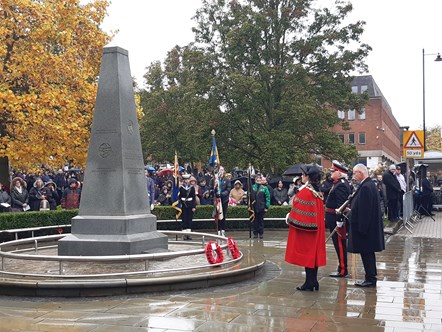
187	197
338	194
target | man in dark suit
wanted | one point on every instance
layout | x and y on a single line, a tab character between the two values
366	234
337	195
393	190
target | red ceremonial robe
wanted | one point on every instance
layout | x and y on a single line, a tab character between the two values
306	238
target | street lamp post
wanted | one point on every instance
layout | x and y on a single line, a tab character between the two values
438	58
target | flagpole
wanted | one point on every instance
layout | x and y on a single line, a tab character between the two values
175	193
249	200
214	161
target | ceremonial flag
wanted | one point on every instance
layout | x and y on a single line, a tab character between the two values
176	204
250	198
214	156
215	163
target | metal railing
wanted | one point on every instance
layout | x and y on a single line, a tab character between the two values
33	245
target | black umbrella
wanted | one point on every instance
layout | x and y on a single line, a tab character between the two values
286	180
293	170
242	179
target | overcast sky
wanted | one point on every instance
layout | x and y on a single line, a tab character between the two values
396	30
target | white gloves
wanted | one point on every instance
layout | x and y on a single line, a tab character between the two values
339	224
151	207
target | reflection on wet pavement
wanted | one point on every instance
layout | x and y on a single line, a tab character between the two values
408	298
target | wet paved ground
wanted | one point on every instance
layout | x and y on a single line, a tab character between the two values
408	297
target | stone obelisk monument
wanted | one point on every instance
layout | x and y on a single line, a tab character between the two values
115	216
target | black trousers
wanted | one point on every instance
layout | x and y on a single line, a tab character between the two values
369	262
187	217
258	223
400	203
393	209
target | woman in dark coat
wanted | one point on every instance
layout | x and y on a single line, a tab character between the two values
306	238
366	233
37	194
19	195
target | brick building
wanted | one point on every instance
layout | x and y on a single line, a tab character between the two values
374	130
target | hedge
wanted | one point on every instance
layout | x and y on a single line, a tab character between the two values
16	220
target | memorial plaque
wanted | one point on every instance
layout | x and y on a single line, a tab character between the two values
114	216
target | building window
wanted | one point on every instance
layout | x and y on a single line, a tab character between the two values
341	137
351	138
361	115
341	115
362	138
364	88
351	115
354	89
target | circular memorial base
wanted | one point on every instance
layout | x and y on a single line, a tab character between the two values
32	267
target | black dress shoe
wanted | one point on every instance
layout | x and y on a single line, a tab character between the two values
365	283
338	275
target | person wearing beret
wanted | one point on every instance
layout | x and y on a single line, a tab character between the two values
366	231
338	194
306	237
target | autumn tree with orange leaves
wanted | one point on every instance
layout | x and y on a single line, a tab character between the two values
50	54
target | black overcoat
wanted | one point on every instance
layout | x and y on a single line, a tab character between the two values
366	233
392	186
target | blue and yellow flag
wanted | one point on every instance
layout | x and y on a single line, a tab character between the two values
214	156
176	204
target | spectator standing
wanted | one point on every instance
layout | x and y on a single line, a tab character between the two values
393	190
165	197
192	182
427	193
381	190
37	194
60	181
237	193
71	196
403	185
280	194
294	188
19	195
53	198
150	189
5	200
206	192
262	203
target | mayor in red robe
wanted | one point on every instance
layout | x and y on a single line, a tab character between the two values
306	237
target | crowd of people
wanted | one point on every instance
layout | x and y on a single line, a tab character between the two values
45	191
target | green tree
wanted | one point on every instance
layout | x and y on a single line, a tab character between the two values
278	71
177	106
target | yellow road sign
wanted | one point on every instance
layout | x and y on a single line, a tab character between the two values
414	144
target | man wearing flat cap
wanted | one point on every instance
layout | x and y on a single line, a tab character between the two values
339	193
